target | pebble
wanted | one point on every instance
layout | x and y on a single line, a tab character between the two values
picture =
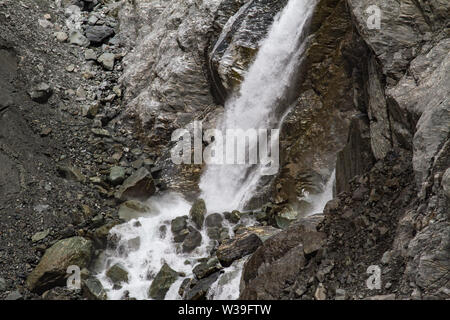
107	60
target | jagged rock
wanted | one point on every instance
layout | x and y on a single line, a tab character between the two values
204	269
178	224
51	270
107	60
162	282
98	34
117	274
117	175
41	92
133	209
233	216
197	212
234	249
40	235
139	186
200	289
192	240
382	297
93	289
446	182
90	54
77	38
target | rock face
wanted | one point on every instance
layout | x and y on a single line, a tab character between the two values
52	268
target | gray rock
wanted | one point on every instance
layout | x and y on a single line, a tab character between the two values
70	173
107	60
178	224
200	289
14	295
41	92
139	186
197	212
207	268
117	175
98	34
133	209
117	274
234	249
162	282
192	241
40	235
2	285
93	289
382	297
77	38
214	220
446	182
51	270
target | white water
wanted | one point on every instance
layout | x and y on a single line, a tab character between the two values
223	187
229	187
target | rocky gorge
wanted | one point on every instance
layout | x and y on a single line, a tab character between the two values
91	91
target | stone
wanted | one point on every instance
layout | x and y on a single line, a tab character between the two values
93	289
382	297
3	285
98	34
234	249
207	268
138	186
233	216
61	36
90	55
77	38
14	295
162	282
197	213
117	274
178	224
51	270
107	60
320	293
100	132
192	241
41	92
40	235
116	175
214	220
133	209
341	294
200	289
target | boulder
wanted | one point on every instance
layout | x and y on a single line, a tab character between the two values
117	274
93	289
192	240
51	270
204	269
139	186
178	224
98	34
70	173
200	289
237	248
162	282
116	175
133	209
41	92
214	220
197	213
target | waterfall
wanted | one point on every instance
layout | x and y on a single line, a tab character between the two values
256	106
224	187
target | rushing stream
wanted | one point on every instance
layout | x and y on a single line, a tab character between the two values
223	187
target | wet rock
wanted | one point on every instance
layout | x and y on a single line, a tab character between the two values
116	175
214	220
139	186
117	274
200	289
162	282
93	289
197	212
233	216
51	270
107	60
234	249
178	224
192	240
204	269
133	209
98	34
41	92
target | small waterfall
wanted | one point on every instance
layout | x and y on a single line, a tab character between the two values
257	105
224	187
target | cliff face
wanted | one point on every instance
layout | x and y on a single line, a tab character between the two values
391	208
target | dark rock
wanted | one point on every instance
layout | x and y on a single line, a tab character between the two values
51	270
139	186
162	282
197	213
133	209
117	274
192	240
41	93
178	224
204	269
14	295
237	248
98	34
200	289
214	220
93	289
70	173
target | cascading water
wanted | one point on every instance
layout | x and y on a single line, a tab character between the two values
224	187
